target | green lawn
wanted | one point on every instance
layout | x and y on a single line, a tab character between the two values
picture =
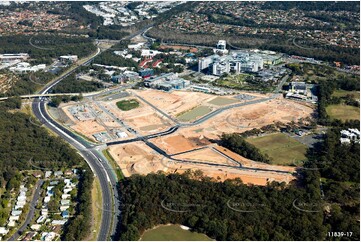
343	93
172	233
126	105
194	113
343	112
281	148
220	101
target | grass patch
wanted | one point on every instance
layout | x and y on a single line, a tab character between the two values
172	233
96	212
343	112
220	101
113	164
194	113
127	105
243	82
343	93
281	148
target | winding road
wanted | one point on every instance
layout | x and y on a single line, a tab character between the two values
98	164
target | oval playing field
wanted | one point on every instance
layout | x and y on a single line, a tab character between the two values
172	233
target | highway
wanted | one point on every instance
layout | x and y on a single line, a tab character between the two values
99	166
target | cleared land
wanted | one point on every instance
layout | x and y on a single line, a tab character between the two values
136	158
281	148
173	144
176	103
343	112
251	116
127	105
194	113
172	233
144	118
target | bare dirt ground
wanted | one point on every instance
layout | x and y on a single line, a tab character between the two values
177	102
143	119
102	122
174	102
251	116
136	158
173	144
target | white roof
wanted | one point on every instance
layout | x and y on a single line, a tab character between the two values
65	202
41	219
35	226
20	203
12	223
355	131
16	212
65	196
3	230
58	222
14	218
63	208
46	199
345	140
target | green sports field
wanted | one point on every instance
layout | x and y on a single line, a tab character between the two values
126	105
343	93
281	148
194	113
172	233
343	112
220	101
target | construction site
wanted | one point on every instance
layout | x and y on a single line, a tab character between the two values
175	131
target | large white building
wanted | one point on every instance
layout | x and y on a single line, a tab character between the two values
7	58
238	63
221	47
68	58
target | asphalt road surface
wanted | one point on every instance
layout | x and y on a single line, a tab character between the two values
99	166
30	215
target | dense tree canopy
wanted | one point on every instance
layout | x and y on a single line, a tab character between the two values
228	210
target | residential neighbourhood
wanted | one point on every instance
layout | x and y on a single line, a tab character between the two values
52	209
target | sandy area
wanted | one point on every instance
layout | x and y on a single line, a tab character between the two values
251	116
178	143
222	173
101	123
175	102
136	158
143	119
88	128
206	155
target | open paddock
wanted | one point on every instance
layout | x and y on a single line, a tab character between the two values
195	113
281	148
